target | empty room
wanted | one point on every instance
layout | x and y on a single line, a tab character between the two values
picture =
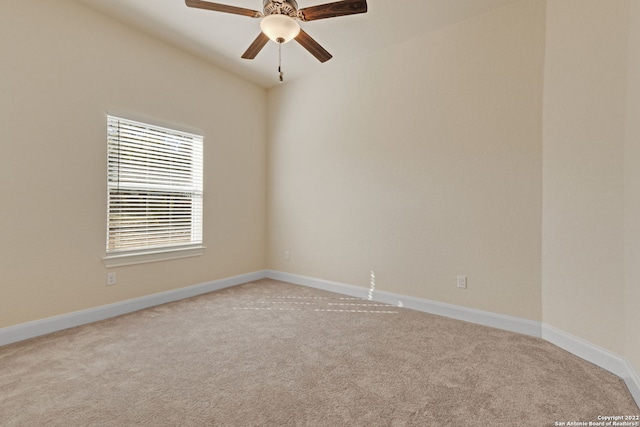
301	213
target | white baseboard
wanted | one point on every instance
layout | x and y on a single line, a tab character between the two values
596	355
325	285
499	321
36	328
585	350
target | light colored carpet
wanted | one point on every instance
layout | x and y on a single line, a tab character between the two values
275	354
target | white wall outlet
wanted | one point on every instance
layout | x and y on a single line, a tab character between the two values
111	279
462	282
287	255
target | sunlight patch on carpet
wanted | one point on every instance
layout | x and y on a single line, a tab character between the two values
317	304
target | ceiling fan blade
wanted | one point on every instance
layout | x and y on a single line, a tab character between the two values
199	4
331	10
313	47
256	46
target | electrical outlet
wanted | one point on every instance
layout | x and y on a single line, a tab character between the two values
111	279
287	255
462	282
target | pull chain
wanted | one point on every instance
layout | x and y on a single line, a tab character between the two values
281	74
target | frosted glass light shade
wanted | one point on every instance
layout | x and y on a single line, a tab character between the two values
279	27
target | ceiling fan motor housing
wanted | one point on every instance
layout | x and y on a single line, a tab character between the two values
281	7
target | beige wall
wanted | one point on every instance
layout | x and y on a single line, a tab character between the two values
583	221
632	192
421	163
62	67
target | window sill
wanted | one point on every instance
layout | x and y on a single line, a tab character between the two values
122	259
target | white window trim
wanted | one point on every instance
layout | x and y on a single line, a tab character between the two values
155	122
143	257
120	259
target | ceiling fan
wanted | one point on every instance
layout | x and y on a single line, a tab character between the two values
278	21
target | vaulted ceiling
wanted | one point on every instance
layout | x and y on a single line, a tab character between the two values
221	38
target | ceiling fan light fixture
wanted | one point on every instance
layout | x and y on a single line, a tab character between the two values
280	28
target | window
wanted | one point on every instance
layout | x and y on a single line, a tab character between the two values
154	180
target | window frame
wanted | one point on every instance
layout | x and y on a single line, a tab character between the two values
120	257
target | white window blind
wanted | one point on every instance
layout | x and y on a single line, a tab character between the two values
154	187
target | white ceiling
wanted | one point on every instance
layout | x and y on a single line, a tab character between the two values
222	38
